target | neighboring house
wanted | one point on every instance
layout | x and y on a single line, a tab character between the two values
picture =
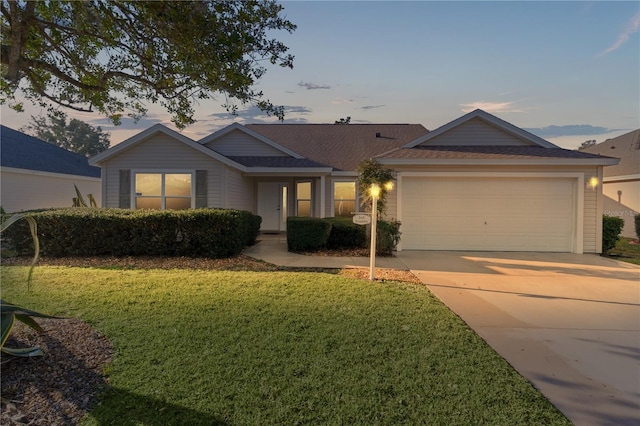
621	183
477	183
35	174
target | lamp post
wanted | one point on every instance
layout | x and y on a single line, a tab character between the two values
375	193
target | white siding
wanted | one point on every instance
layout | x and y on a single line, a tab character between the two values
240	191
590	227
28	190
475	132
238	143
162	153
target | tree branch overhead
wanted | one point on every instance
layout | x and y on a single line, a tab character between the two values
108	56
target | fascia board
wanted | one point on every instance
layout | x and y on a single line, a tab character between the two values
620	178
342	173
289	171
476	162
261	138
47	174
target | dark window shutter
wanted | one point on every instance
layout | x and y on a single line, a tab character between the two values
201	189
125	189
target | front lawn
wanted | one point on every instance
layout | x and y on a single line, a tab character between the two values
200	347
627	250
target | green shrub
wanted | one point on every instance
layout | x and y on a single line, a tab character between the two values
249	226
307	233
611	228
387	236
637	223
346	234
214	233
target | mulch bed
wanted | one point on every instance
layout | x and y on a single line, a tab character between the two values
64	385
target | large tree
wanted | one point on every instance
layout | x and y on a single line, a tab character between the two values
115	56
76	135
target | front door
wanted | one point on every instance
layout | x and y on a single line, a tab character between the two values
272	206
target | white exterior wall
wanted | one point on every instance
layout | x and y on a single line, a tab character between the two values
31	189
475	132
162	153
240	191
238	143
592	200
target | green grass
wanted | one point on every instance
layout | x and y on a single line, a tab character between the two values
249	348
626	251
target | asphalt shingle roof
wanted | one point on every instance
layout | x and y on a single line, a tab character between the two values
22	151
485	152
340	146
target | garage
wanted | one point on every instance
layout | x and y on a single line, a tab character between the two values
532	213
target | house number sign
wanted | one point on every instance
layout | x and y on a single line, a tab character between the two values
362	219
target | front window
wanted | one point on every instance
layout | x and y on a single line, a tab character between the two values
344	197
303	199
163	191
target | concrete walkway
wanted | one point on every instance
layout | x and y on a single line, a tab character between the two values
568	323
272	248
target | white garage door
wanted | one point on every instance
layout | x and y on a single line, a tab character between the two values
493	214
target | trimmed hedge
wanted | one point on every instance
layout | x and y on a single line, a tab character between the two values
636	220
611	228
346	234
307	233
214	233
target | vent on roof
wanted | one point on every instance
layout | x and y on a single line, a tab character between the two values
378	134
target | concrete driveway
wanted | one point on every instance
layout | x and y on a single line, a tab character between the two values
569	323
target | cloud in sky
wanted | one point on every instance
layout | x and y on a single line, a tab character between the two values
368	107
632	28
569	130
313	86
491	107
128	123
341	101
253	114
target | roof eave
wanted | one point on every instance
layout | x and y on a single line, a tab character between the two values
498	162
287	171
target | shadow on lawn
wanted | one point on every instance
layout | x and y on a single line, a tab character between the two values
124	408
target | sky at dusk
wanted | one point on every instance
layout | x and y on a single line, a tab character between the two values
565	71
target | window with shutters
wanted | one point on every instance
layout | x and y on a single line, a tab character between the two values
164	191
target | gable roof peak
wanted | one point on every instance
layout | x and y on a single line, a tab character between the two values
245	129
137	138
489	119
